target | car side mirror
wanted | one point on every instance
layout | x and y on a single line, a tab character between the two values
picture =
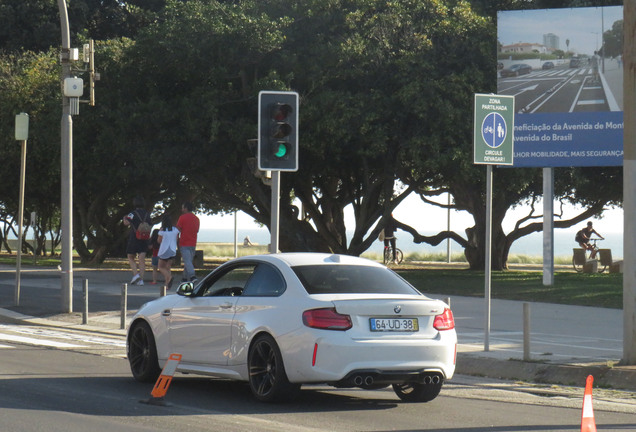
185	289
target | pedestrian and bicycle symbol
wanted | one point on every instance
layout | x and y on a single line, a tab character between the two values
493	130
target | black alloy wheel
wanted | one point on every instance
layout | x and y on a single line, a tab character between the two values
267	377
142	353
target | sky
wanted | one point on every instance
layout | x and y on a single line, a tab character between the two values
582	26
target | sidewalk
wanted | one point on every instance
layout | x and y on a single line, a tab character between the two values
567	343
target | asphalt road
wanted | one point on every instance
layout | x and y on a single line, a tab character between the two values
561	89
87	385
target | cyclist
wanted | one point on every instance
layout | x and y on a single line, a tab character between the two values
389	236
583	238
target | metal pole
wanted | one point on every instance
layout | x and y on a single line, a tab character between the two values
629	182
448	220
85	295
275	211
526	331
548	226
18	262
124	305
235	234
602	41
488	266
35	239
66	169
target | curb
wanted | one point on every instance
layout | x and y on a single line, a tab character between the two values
18	318
616	377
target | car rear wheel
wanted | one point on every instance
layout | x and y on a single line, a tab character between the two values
142	353
416	392
267	377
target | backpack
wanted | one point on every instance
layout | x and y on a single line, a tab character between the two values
143	229
579	237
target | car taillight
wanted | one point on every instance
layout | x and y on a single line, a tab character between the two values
445	321
326	319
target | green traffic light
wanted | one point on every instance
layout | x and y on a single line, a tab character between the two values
280	150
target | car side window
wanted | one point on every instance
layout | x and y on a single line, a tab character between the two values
231	283
265	282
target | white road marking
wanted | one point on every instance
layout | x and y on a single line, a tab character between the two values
38	342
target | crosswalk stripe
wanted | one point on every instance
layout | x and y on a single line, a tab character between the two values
38	342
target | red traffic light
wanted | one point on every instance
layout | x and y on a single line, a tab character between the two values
281	112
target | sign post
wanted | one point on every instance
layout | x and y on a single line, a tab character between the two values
493	145
22	135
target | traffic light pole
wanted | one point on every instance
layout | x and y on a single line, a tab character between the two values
273	248
277	145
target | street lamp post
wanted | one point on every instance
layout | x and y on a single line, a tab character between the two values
67	171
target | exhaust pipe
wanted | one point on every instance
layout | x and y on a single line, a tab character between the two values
427	379
436	379
357	380
368	380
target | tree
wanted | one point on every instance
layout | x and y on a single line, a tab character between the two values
29	82
613	40
386	101
385	91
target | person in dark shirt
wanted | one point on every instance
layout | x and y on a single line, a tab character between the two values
583	238
136	249
389	236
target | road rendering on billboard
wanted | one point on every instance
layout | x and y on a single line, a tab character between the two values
564	68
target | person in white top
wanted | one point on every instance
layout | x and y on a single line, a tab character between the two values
168	236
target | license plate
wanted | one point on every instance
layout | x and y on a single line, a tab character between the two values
394	324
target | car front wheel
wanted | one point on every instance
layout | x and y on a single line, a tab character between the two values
267	377
142	353
416	392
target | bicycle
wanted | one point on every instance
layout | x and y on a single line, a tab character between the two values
388	255
581	256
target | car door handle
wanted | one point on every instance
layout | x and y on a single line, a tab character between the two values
226	305
166	312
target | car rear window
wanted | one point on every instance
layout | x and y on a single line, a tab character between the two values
351	279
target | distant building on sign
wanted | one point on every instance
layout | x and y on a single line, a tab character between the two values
551	41
524	47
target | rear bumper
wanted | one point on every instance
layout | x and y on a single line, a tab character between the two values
335	358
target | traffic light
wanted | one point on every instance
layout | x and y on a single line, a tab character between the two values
278	131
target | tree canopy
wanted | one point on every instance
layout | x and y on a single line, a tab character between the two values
386	94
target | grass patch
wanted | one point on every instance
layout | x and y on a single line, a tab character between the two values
599	290
227	249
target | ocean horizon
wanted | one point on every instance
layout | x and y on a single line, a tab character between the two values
530	245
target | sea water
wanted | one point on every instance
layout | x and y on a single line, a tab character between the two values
530	245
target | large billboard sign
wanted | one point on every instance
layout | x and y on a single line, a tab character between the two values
564	69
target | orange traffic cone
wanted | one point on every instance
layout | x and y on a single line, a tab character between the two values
587	418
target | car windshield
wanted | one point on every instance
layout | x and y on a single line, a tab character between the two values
351	279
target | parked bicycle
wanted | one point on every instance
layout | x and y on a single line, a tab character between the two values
581	256
388	255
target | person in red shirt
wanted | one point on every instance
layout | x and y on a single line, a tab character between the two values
188	225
